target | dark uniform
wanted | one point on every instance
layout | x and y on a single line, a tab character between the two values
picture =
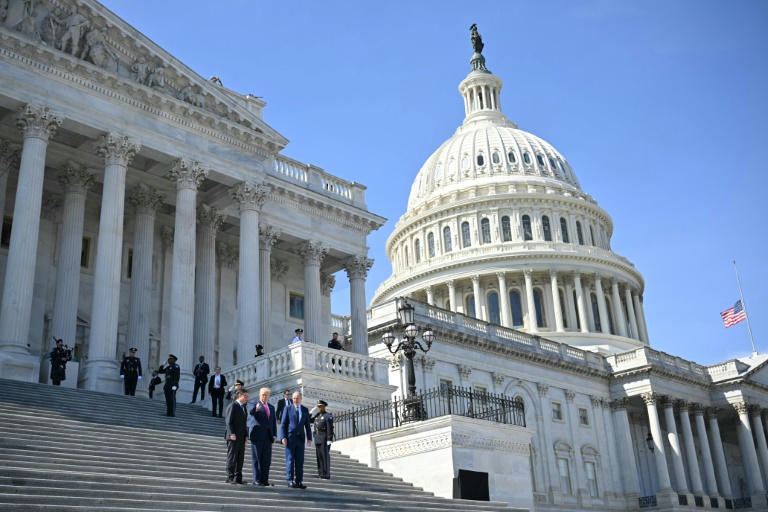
335	344
172	375
323	435
130	371
152	383
58	364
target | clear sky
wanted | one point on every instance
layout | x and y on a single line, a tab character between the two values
660	107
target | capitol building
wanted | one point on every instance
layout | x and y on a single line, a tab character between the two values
146	206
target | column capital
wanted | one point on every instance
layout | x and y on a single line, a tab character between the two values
542	388
75	179
649	398
576	275
614	281
711	412
268	236
312	252
465	371
10	156
569	395
117	149
50	206
166	235
498	378
428	289
475	279
209	218
596	401
357	266
598	278
741	407
451	283
38	121
696	409
528	273
501	276
619	404
186	173
683	405
755	410
145	200
249	196
552	273
327	282
667	401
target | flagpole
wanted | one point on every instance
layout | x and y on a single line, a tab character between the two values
744	305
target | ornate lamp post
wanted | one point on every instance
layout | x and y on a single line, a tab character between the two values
409	345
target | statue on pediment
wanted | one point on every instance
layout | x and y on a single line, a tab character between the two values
98	52
189	95
73	26
156	79
140	71
3	10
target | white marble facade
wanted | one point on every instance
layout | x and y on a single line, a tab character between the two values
147	206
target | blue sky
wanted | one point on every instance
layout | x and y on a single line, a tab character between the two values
660	107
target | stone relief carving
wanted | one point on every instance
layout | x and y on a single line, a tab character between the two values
166	235
191	95
227	256
50	206
278	268
10	155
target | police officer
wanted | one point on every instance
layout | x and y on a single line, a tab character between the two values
59	358
130	372
172	373
323	436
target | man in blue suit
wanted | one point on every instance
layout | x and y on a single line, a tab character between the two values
263	434
295	432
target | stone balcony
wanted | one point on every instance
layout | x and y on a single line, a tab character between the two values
317	180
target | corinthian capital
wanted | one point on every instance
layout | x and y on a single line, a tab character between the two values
117	149
741	407
357	266
268	236
10	154
186	174
327	282
649	398
37	121
312	252
209	218
75	179
249	196
145	200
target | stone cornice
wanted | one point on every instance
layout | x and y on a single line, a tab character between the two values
443	440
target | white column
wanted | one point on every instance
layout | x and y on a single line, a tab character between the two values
624	444
101	368
570	304
631	312
76	181
618	311
357	268
753	467
690	450
479	302
38	124
760	436
530	306
227	258
717	448
9	160
452	295
580	304
506	310
430	295
640	316
209	219
250	198
268	237
658	442
681	484
605	326
144	201
187	175
706	455
312	253
556	301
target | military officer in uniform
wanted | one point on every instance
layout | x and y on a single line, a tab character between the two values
172	373
323	436
59	358
130	372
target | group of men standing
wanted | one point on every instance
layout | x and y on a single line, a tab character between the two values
292	421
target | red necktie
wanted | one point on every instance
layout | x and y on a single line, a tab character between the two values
266	407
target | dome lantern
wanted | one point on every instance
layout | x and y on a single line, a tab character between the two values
481	89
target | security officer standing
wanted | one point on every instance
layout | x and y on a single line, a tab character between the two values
130	372
172	373
59	358
323	436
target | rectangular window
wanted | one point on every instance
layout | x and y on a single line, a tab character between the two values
565	475
296	306
445	384
5	239
589	468
481	389
129	270
583	417
85	253
557	411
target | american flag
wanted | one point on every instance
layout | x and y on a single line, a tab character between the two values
734	315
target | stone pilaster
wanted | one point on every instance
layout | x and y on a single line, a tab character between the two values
268	237
618	311
530	305
480	312
429	290
357	268
581	305
209	219
452	294
605	326
556	301
312	253
506	310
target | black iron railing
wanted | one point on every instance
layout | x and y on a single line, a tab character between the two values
698	501
647	501
682	499
433	403
742	503
714	503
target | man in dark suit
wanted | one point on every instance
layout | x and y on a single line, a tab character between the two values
282	403
201	372
153	382
295	430
216	387
263	434
236	420
172	373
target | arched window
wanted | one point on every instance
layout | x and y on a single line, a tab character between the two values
516	304
564	229
579	234
493	308
506	229
512	157
546	228
466	239
609	311
471	306
495	158
447	239
540	160
592	236
553	163
527	232
407	259
417	250
439	173
539	303
596	314
465	163
485	229
480	160
431	244
526	158
578	320
563	310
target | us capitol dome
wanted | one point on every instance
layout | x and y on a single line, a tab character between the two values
499	229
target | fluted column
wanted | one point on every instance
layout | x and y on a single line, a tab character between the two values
605	326
38	124
76	181
357	268
312	252
642	331
118	151
690	449
268	236
479	302
706	455
452	295
430	295
624	444
753	467
144	201
581	306
658	442
681	484
9	160
187	175
757	424
719	454
530	305
631	312
570	304
556	301
506	310
250	198
209	219
618	311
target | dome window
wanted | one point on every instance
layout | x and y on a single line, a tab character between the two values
495	158
480	160
511	157
526	158
431	244
546	228
527	232
439	172
540	160
451	169
564	229
579	234
447	239
493	308
592	235
506	229
466	239
465	163
485	229
553	163
417	250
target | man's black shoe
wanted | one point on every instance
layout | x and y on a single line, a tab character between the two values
299	486
239	482
263	484
229	481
